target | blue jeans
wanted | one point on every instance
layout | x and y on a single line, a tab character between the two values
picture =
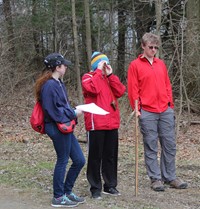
65	145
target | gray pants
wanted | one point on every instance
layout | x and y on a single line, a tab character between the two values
154	127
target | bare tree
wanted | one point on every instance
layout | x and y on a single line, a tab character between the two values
111	23
158	6
9	24
121	40
182	88
77	68
55	20
133	18
88	32
193	53
36	34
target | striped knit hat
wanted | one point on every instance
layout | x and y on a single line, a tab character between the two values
96	58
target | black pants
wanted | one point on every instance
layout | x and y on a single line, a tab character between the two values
102	159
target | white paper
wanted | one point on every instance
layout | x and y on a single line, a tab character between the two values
92	108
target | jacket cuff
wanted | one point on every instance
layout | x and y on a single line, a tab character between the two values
109	75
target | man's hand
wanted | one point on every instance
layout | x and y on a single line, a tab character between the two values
138	113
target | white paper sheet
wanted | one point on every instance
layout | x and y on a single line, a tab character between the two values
92	108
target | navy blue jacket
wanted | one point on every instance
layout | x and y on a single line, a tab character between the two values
55	103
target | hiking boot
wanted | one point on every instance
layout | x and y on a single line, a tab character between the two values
157	185
178	184
63	202
96	196
111	191
75	198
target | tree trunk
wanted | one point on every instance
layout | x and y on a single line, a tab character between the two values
111	23
158	5
193	28
121	42
133	17
54	29
77	68
36	34
88	33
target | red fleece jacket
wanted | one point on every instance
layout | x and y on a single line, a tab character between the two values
149	84
96	90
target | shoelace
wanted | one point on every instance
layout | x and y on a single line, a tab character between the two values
74	196
66	199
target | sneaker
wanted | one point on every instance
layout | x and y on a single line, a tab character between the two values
63	202
111	191
96	196
178	184
157	185
75	198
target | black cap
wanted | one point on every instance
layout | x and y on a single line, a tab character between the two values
55	59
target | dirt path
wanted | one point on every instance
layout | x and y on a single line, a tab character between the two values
26	176
19	199
11	198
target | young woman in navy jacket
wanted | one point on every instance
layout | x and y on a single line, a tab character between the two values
52	94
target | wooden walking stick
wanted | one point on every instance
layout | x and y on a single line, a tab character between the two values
136	148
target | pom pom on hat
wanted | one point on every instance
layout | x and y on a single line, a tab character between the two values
96	58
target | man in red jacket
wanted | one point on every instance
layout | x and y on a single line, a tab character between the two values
102	87
148	82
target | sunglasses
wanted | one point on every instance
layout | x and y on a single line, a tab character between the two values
153	47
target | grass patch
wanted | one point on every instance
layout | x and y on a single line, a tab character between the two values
25	175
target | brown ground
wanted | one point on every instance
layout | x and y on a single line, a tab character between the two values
27	160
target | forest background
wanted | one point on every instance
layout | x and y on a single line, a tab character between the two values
31	29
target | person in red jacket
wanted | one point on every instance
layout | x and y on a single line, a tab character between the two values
102	87
149	83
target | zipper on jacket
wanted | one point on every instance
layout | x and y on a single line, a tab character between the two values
157	91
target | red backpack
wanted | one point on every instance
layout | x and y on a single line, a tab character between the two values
37	118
